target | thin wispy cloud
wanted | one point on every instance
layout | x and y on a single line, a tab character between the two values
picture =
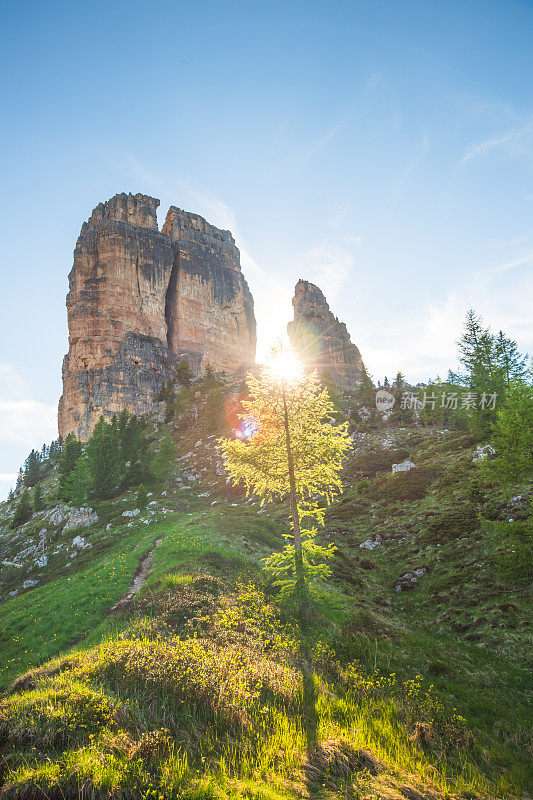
314	147
338	214
515	141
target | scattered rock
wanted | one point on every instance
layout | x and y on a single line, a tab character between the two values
29	583
134	513
404	466
481	453
81	518
371	544
42	561
80	543
57	515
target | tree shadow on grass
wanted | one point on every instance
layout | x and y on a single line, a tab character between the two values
333	764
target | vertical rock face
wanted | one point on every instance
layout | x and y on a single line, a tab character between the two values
322	342
210	311
140	299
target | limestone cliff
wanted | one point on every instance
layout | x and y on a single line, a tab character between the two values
210	311
139	300
322	342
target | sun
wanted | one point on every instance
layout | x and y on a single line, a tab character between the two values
284	366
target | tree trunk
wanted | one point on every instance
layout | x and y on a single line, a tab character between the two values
298	557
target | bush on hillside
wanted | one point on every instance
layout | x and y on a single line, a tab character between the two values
452	523
23	511
402	486
514	552
370	462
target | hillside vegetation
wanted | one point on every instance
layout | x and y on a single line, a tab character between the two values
409	680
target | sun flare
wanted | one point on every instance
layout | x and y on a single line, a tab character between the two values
284	365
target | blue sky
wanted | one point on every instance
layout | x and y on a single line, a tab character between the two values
383	150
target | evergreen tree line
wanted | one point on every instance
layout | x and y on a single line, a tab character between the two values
118	455
491	368
491	365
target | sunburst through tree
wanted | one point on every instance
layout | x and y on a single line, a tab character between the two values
294	449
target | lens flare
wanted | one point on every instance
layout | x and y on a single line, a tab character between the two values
284	366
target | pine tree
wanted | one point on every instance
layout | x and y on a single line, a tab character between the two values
365	392
510	362
104	459
67	461
55	450
23	511
184	373
512	437
38	503
78	483
32	469
490	364
295	452
10	495
134	449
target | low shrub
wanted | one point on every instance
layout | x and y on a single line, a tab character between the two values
514	549
452	523
403	486
370	462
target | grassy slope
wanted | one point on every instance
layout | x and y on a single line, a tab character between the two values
225	695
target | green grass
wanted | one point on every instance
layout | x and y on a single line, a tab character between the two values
225	711
199	690
49	619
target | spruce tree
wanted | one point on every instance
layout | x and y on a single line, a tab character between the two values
23	511
512	437
510	362
78	483
490	364
32	469
184	373
55	450
104	459
365	392
38	503
71	452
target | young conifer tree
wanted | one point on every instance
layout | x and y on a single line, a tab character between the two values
290	448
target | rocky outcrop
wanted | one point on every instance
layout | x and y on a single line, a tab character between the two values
141	299
322	342
210	311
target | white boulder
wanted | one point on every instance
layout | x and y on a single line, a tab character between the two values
481	453
81	518
80	543
404	466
